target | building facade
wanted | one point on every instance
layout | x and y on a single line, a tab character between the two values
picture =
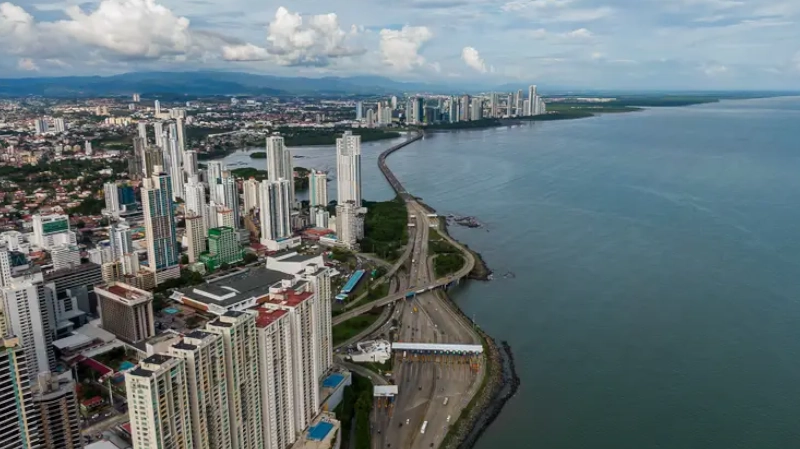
159	222
126	311
158	404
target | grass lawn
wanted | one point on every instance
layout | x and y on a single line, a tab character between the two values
352	327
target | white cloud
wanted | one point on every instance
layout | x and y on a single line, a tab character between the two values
123	29
713	70
244	52
580	33
27	64
400	48
312	40
473	59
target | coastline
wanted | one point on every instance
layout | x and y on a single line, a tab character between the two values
500	381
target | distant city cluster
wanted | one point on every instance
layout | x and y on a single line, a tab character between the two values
432	110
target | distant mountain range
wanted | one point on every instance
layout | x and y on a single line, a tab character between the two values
210	83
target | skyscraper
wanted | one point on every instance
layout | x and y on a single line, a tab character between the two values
142	126
190	164
223	244
275	338
175	163
279	164
159	223
465	102
18	425
275	211
65	256
317	194
40	126
251	189
157	105
195	237
180	129
240	349
120	236
214	171
59	125
158	403
531	100
111	195
348	168
56	408
359	111
476	112
204	356
196	203
29	315
228	195
158	128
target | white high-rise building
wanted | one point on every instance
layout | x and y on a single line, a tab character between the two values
317	195
65	256
175	164
40	126
301	308
228	195
196	203
214	171
279	164
359	111
319	279
180	128
349	224
531	100
111	194
277	377
52	230
204	355
158	403
29	315
157	105
275	210
251	189
59	125
121	240
195	237
348	168
241	353
394	102
159	222
190	163
142	126
5	272
476	109
158	138
87	148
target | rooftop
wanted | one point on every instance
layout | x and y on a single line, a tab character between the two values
158	359
287	298
268	316
232	290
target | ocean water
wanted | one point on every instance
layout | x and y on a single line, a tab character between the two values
652	270
652	297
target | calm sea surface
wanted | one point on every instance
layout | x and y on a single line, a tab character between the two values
652	296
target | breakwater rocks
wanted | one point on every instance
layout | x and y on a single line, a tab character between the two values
504	390
481	271
501	383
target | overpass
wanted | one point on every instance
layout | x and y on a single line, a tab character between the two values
469	259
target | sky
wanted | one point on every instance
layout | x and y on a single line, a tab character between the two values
591	44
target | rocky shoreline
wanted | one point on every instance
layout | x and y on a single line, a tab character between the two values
501	383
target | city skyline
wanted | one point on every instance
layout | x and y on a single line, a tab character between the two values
578	43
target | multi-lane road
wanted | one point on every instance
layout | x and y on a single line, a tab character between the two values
437	390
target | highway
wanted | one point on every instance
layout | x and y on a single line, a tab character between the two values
435	390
